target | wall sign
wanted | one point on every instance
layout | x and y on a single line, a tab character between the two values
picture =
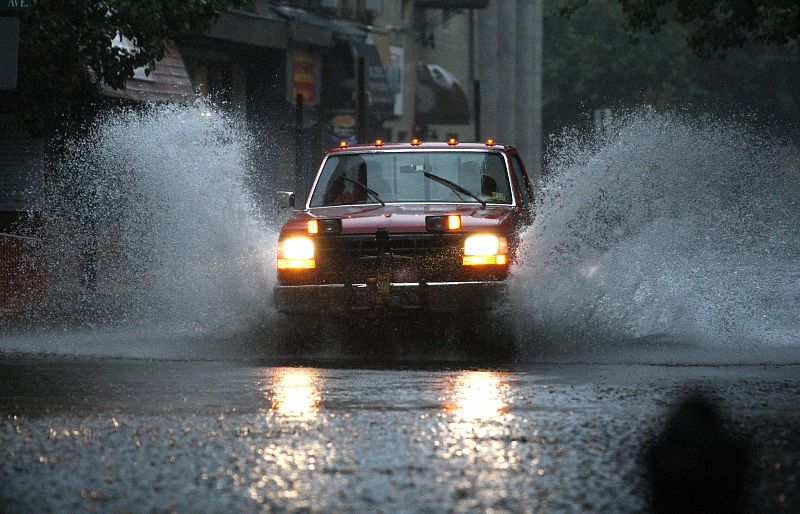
304	76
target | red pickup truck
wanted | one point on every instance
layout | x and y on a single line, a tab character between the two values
404	228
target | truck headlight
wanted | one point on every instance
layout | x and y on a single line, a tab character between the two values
485	249
296	253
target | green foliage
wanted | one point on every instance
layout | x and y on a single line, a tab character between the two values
66	51
590	62
714	26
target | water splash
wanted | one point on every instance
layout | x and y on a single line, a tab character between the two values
148	221
665	226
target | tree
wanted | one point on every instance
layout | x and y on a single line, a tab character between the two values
714	26
66	52
589	62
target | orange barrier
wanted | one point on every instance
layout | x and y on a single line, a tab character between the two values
22	276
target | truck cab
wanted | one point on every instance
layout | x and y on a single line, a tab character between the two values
404	228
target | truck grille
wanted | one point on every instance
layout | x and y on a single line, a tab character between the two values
404	257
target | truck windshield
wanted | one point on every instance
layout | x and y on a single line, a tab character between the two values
406	177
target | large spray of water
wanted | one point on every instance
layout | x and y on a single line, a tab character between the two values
664	226
148	220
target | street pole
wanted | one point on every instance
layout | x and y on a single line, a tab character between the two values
476	97
473	71
361	102
299	179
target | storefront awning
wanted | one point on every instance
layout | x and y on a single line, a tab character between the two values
258	26
440	99
306	27
169	82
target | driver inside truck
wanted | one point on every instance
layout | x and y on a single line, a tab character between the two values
340	191
472	176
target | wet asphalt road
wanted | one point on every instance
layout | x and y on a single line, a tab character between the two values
127	435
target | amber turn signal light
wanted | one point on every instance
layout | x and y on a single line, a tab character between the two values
324	226
439	224
453	222
415	141
480	260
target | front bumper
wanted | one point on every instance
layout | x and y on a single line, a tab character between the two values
387	298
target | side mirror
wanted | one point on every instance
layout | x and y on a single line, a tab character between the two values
285	199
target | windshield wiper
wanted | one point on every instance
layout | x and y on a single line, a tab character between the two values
367	189
455	187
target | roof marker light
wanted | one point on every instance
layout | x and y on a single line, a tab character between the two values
415	141
379	142
343	144
452	141
490	142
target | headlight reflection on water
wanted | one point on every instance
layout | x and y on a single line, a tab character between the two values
279	464
294	392
475	421
476	396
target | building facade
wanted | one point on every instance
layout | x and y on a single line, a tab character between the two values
293	69
306	74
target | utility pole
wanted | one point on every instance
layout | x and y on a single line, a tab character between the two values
473	72
361	102
299	178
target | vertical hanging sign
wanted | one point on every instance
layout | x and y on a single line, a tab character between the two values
304	76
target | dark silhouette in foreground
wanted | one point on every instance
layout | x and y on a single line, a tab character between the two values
695	465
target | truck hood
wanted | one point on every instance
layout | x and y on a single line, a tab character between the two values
402	218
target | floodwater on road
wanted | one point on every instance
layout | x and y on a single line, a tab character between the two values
121	434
